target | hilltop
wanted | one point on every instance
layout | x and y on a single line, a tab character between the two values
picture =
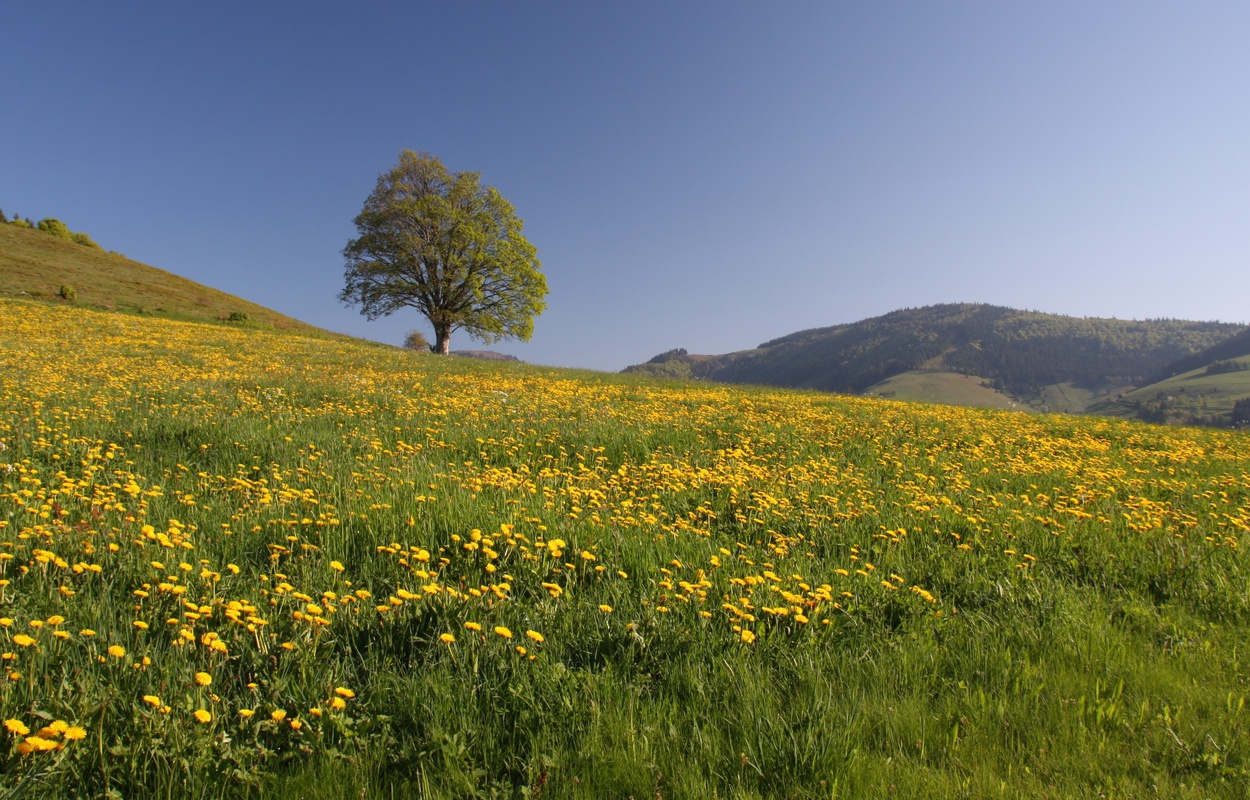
964	354
39	266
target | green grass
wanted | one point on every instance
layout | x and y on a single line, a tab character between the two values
949	388
1056	607
1194	394
36	265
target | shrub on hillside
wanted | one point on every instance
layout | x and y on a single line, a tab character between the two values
21	223
1228	365
85	240
55	227
239	316
415	340
67	293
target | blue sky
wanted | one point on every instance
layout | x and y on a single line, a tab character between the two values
707	175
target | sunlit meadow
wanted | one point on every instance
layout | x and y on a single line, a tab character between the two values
246	564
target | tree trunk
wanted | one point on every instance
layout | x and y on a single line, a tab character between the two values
442	340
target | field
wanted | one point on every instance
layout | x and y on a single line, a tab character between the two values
247	563
1196	393
936	386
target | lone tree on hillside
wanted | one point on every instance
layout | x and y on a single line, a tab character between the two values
438	242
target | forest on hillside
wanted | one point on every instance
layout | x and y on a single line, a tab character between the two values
1019	351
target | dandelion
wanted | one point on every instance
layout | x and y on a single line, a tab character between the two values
446	638
203	679
605	608
296	724
22	640
336	566
502	631
116	651
473	626
152	700
535	635
246	712
338	703
343	692
74	733
748	636
203	716
16	726
277	715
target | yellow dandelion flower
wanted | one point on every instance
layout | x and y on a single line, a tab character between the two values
141	625
502	631
22	640
447	638
296	724
521	650
202	715
117	651
343	692
278	715
16	726
748	636
86	632
152	700
535	635
55	619
36	743
74	733
338	703
203	679
473	626
336	566
605	608
246	712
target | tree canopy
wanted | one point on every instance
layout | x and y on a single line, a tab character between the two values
440	243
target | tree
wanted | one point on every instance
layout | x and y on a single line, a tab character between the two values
415	340
438	242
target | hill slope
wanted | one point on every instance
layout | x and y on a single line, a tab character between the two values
417	577
36	265
1023	354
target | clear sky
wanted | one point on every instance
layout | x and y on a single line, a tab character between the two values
706	175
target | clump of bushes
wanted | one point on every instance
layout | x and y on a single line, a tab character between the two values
52	227
239	316
67	293
415	340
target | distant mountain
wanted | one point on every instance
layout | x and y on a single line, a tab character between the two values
1021	357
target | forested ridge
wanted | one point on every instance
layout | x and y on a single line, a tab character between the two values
1018	351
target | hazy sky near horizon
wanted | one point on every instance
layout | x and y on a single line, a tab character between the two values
707	175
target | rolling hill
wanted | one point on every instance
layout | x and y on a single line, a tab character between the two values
35	265
1046	362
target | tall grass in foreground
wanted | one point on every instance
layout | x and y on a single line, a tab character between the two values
248	565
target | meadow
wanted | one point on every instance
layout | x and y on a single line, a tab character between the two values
246	563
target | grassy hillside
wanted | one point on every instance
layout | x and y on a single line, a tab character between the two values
1026	355
35	265
1201	396
928	386
241	563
